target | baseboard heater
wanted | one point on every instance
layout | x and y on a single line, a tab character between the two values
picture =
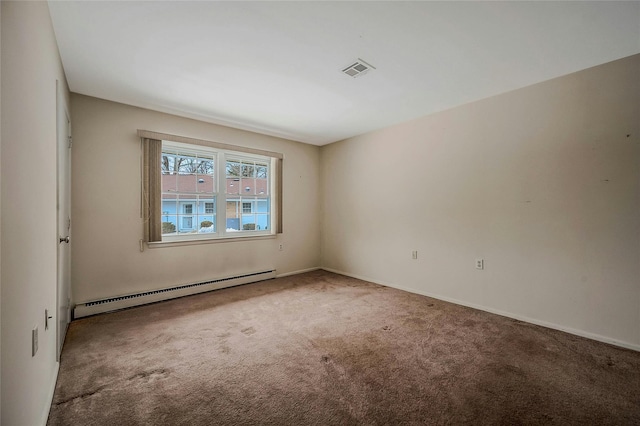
120	302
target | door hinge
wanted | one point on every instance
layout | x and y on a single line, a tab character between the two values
68	223
70	141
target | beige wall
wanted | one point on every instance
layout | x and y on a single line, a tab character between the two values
30	68
106	206
543	183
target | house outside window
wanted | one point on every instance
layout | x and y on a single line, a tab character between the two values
212	193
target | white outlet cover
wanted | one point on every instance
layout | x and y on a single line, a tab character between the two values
479	263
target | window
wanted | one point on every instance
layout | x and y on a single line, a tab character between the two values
188	188
247	183
208	191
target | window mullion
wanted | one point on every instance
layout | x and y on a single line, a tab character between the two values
221	199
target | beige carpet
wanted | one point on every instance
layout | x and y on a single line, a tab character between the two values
324	349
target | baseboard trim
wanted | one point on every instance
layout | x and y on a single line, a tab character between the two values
300	271
577	332
44	416
115	303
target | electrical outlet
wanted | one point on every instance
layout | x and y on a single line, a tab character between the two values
479	263
414	254
280	247
34	341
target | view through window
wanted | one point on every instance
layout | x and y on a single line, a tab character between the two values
212	193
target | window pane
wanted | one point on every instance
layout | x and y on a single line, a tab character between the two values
205	218
233	215
233	208
248	222
186	182
187	164
248	186
169	209
233	177
205	184
262	179
207	224
262	187
233	186
262	206
233	169
261	171
205	166
262	222
168	163
169	222
248	169
186	214
169	182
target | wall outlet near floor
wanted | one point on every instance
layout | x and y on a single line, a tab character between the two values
34	341
479	263
280	246
414	254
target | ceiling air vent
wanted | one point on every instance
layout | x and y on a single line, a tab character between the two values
358	68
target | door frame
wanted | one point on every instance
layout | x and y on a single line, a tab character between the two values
63	118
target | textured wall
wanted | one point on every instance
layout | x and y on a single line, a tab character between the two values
542	182
106	167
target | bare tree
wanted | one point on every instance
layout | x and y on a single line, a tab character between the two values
172	164
175	163
233	169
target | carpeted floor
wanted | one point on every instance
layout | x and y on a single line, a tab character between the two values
323	349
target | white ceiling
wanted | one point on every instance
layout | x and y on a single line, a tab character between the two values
275	67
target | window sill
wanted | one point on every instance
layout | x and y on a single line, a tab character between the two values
178	243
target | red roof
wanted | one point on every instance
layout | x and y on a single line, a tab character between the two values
205	184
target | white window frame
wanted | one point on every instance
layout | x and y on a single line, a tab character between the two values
220	159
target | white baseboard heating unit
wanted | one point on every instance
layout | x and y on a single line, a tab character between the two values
120	302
